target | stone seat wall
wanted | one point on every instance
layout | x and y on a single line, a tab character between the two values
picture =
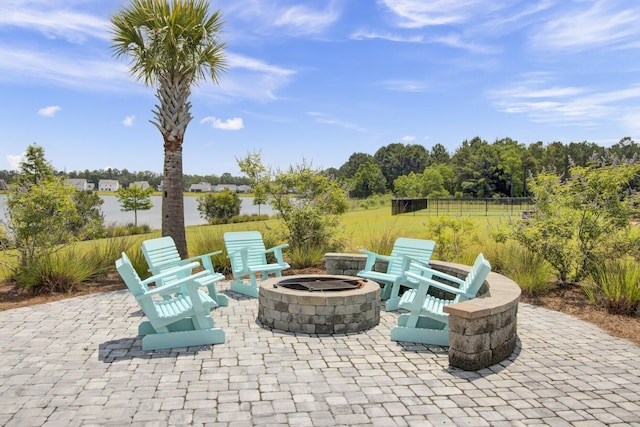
482	331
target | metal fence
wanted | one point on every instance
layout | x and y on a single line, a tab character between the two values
520	206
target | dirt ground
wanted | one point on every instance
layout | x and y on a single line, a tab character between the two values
570	300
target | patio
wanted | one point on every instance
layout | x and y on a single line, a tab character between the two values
78	362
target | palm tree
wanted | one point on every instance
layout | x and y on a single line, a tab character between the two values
172	45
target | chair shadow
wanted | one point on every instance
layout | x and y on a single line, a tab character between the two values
122	349
131	348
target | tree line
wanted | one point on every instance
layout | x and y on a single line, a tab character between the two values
126	177
476	168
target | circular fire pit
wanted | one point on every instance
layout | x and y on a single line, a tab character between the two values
319	304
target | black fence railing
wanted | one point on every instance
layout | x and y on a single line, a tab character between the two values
520	206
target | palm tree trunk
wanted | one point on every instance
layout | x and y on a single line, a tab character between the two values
173	197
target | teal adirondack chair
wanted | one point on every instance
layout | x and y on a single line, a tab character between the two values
178	313
426	322
248	256
161	254
404	251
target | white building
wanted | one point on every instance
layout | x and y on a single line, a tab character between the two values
141	184
108	185
203	187
79	184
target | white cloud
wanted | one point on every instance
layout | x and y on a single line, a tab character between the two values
303	20
229	124
570	105
421	13
54	22
49	111
601	24
405	85
128	121
408	138
14	161
325	120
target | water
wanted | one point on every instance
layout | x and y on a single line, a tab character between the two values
153	217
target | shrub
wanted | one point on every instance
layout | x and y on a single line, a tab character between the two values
301	257
209	240
219	206
381	239
615	284
528	269
452	236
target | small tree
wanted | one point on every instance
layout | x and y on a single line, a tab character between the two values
135	199
308	201
219	207
582	219
40	209
90	220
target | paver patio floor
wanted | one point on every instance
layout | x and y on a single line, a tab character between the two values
79	362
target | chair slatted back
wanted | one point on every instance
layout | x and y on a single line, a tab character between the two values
252	240
476	277
417	249
160	253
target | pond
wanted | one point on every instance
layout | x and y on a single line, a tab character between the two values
153	217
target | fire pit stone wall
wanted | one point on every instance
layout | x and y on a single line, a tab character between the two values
307	312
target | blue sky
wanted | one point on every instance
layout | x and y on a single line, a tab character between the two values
319	80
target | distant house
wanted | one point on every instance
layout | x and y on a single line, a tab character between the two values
79	184
108	185
221	187
142	184
244	189
3	185
203	187
161	185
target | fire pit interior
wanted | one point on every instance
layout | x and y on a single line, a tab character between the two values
320	283
319	304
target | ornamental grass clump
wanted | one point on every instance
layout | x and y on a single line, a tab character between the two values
615	284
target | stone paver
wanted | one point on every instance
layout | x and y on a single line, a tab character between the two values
79	362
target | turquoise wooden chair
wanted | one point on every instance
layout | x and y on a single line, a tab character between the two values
161	254
426	322
178	313
404	251
248	256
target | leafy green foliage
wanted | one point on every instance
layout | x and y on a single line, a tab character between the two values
308	201
367	181
220	207
452	236
135	199
39	218
581	220
89	223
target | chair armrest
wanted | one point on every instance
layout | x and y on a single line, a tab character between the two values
206	260
170	272
430	282
201	257
277	251
430	272
371	259
177	285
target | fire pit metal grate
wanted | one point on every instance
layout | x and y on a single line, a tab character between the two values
315	284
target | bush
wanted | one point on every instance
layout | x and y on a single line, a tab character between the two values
300	257
528	269
615	284
219	206
209	240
